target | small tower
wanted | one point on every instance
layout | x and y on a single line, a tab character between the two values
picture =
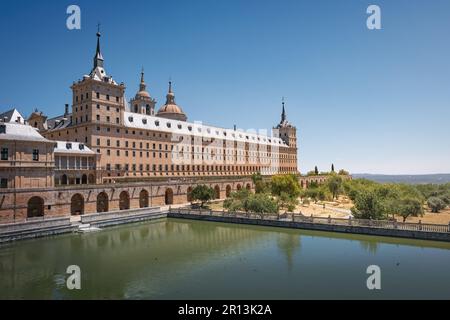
143	102
286	131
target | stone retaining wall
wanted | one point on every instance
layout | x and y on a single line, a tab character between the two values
34	229
422	235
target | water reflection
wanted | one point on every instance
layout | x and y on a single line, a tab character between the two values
192	259
289	244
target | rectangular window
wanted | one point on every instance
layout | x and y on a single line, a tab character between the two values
4	154
35	154
3	183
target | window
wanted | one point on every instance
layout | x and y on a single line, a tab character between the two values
98	96
3	183
130	119
81	146
2	128
98	117
35	154
4	154
107	97
68	145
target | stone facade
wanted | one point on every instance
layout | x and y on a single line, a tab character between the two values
109	154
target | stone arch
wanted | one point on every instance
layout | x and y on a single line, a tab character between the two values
35	207
77	204
302	184
188	194
64	179
217	192
84	179
248	186
124	201
238	187
168	196
102	202
228	191
143	199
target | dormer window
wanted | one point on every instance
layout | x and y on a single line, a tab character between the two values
81	146
180	126
189	128
157	123
168	124
68	145
2	128
144	121
130	119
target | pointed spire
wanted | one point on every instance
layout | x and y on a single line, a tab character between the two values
98	59
142	86
283	113
170	97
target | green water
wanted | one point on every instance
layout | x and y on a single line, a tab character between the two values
181	259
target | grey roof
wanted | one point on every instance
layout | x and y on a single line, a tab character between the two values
21	132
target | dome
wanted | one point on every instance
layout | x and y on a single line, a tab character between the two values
170	109
143	94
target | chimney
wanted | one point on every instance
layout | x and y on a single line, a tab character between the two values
66	110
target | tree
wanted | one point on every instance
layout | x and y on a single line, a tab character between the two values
335	185
342	172
410	207
368	205
261	203
287	202
260	185
202	193
436	204
287	183
332	167
316	171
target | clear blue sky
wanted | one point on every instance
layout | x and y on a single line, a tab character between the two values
369	101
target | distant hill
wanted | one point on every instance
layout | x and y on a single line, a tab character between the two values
409	179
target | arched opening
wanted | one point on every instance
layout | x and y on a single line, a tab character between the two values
307	184
189	195
35	207
77	205
228	191
238	187
248	186
64	179
84	179
168	197
91	179
302	184
102	202
124	201
143	199
216	192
